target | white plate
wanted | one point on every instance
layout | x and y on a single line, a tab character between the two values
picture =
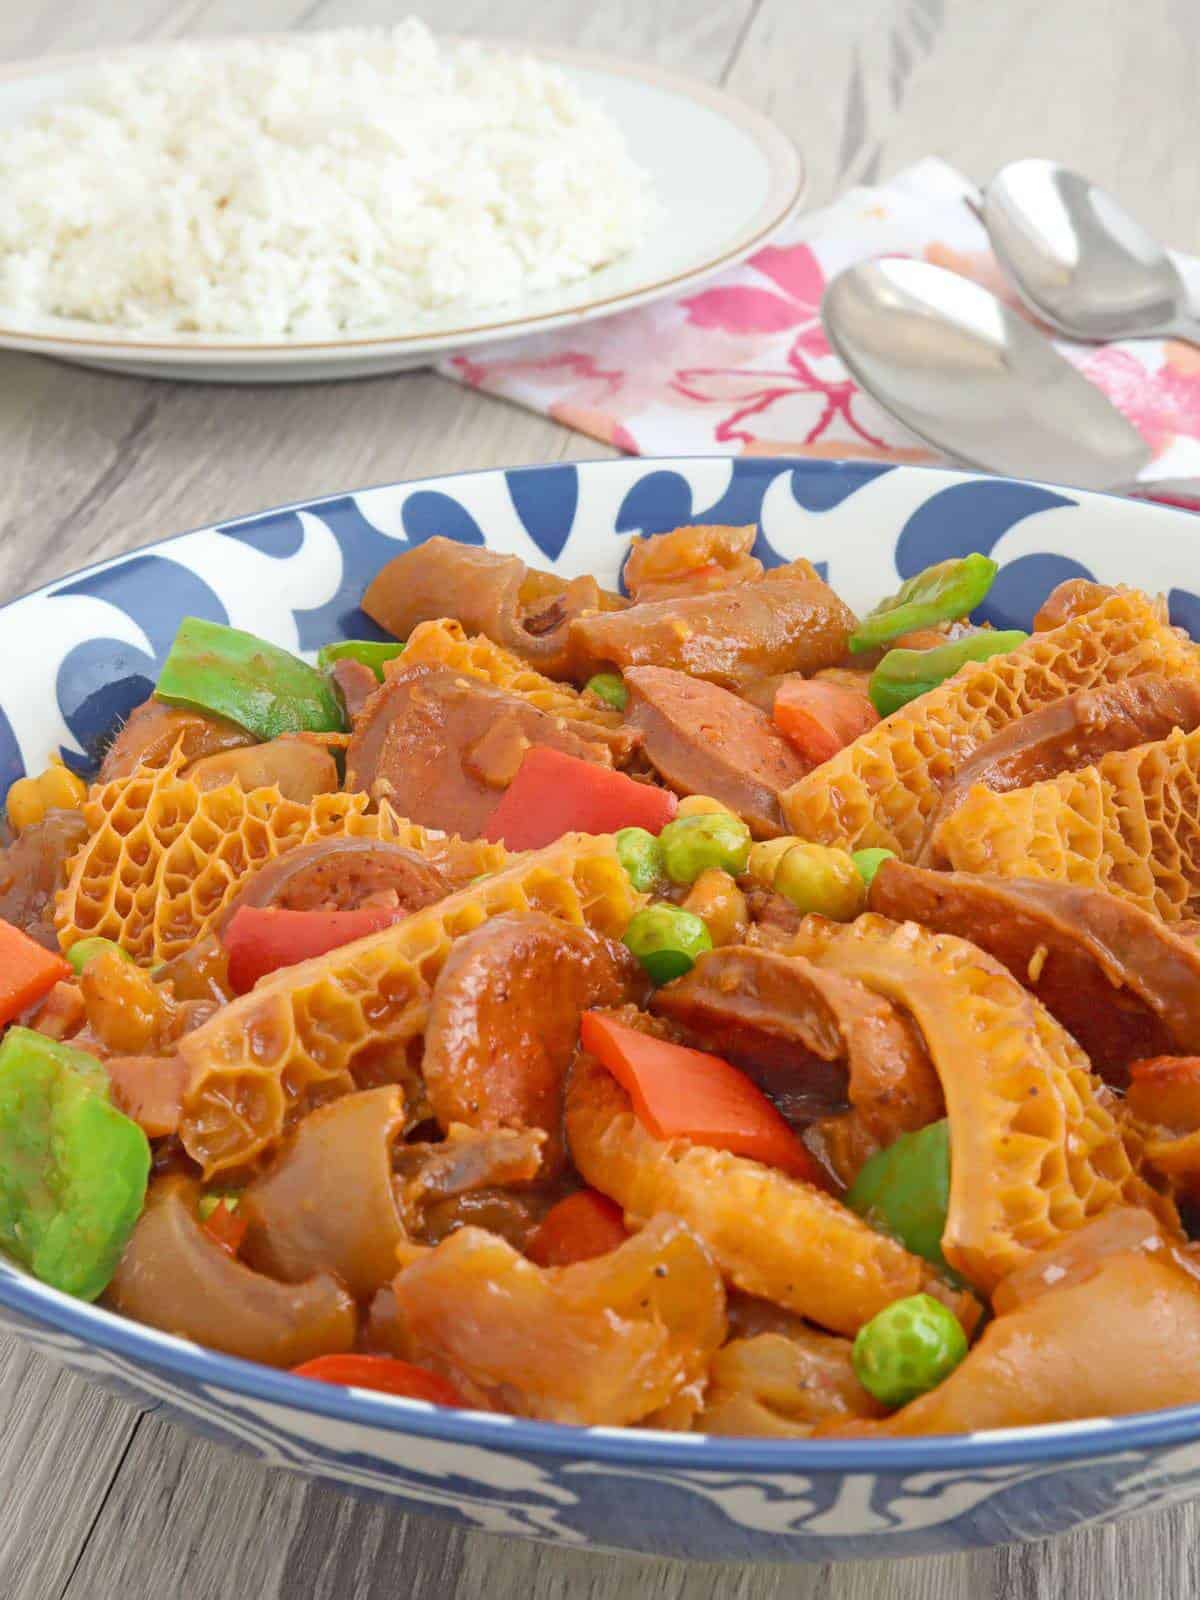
725	178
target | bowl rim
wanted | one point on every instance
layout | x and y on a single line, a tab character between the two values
171	1356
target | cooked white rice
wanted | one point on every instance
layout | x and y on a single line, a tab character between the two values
347	181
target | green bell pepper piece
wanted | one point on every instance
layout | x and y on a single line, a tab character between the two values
208	1203
82	951
73	1169
373	653
940	593
902	675
224	672
904	1191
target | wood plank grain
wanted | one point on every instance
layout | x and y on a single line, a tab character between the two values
1098	84
190	1520
61	1443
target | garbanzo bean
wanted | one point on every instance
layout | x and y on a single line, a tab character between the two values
55	789
700	805
765	858
814	877
716	899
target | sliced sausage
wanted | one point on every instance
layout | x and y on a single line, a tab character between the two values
811	1039
442	748
1066	735
298	768
504	1021
32	870
153	730
355	682
703	740
1122	982
341	874
731	637
526	610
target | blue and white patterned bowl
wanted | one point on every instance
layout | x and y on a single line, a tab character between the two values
89	648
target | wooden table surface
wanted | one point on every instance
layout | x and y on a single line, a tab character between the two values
98	1500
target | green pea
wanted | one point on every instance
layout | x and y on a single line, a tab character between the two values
902	675
667	940
869	862
907	1349
82	951
609	687
940	593
904	1191
641	856
690	845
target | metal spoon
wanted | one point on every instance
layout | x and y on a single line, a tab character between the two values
972	378
1081	262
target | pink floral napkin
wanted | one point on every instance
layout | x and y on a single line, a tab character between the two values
741	366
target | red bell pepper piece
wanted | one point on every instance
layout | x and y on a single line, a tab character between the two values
818	719
261	939
679	1093
1166	1090
384	1373
584	1225
28	972
227	1226
553	794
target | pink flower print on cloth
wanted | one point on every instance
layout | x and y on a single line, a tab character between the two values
741	365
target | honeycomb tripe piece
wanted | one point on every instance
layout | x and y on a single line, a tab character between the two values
1130	824
881	789
164	857
446	643
1038	1146
772	1235
352	1017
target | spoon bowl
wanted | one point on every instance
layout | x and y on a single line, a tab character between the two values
971	377
1079	260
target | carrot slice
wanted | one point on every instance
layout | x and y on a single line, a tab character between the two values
679	1093
582	1226
384	1373
28	972
818	719
553	794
